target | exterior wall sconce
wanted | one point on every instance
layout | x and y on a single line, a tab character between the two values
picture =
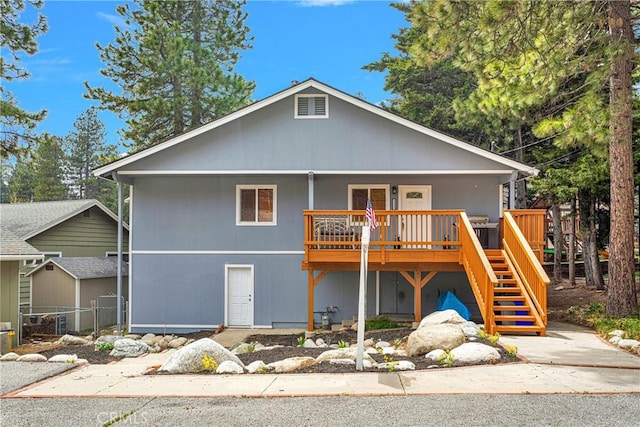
394	190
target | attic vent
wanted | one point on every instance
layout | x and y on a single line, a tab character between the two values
312	107
48	267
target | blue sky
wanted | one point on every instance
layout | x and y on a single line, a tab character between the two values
329	40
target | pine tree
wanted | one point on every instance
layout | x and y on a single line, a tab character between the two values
48	165
16	39
21	181
87	149
174	61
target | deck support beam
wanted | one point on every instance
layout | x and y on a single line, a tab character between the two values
418	282
312	281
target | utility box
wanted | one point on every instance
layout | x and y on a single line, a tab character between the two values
6	341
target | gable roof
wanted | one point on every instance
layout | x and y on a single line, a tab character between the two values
106	170
13	248
26	220
86	267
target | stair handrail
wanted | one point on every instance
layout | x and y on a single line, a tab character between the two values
533	276
481	276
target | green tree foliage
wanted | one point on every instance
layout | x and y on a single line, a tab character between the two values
563	68
16	39
21	180
87	149
174	61
48	169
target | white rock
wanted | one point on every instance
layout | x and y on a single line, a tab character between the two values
64	358
148	337
320	343
127	347
474	352
292	364
436	355
256	366
615	339
389	351
369	343
445	316
109	338
177	342
559	288
382	344
244	348
189	359
430	337
229	367
31	358
342	362
9	357
400	352
342	353
470	329
401	365
617	333
371	350
72	340
133	336
309	344
628	344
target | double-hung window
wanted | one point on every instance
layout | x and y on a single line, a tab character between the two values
256	205
378	194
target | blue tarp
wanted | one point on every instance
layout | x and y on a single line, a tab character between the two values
450	301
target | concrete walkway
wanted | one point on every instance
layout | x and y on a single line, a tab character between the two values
568	360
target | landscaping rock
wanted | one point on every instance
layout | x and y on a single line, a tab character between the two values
292	364
257	366
177	342
628	344
309	344
436	355
343	353
189	359
474	353
401	365
229	367
444	316
72	340
470	329
111	339
64	358
243	348
31	358
429	337
127	347
9	357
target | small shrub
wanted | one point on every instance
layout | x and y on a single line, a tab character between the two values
397	343
104	346
301	341
391	363
447	361
251	347
342	344
512	350
209	363
380	322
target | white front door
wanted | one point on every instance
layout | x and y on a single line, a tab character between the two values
414	228
239	295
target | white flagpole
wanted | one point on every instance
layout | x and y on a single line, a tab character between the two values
362	296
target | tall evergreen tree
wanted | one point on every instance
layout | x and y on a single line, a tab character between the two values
21	181
550	64
174	61
87	149
48	166
16	39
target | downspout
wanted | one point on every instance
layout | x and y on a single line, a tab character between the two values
77	316
512	189
119	262
310	185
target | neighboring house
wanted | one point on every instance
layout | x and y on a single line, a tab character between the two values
254	220
66	283
68	228
13	253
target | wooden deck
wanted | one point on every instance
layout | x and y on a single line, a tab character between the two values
419	244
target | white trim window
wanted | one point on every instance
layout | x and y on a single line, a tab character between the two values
311	106
47	255
359	193
256	205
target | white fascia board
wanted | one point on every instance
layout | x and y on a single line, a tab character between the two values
316	172
50	261
17	257
333	92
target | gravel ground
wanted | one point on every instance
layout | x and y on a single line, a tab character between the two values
15	375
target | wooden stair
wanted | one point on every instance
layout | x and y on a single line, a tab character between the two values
512	309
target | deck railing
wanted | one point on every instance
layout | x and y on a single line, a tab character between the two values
533	276
342	229
481	276
531	224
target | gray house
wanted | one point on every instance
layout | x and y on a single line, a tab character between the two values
254	220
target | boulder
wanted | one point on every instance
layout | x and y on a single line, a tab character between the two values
111	339
72	340
342	362
474	353
628	344
64	358
444	316
430	337
400	365
244	348
189	359
177	342
382	344
309	344
9	357
31	358
436	355
229	367
470	329
343	353
292	364
127	347
133	336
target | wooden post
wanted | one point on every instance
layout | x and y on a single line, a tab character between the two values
310	286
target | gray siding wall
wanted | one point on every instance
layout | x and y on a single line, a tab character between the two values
271	138
179	215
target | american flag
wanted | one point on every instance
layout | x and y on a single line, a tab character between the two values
371	216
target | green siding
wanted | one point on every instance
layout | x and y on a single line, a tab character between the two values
9	294
91	235
25	290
